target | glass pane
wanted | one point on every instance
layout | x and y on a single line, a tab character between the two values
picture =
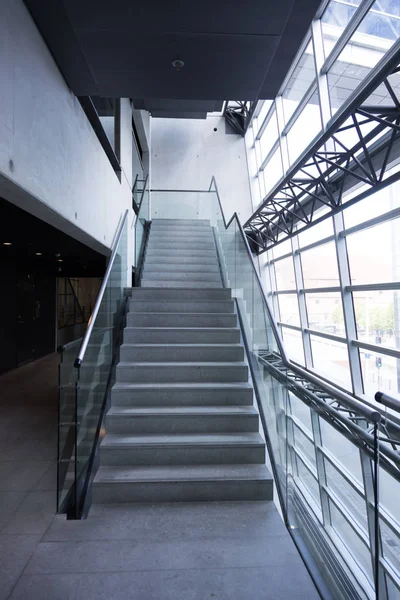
263	112
302	412
308	480
320	266
377	317
293	343
325	312
281	249
342	450
354	503
375	35
305	445
334	20
390	545
317	232
351	540
269	136
331	360
374	205
374	254
389	494
393	589
284	273
273	171
303	75
183	205
96	366
67	380
306	127
289	309
380	372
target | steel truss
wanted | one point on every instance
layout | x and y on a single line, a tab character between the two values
330	167
347	421
238	114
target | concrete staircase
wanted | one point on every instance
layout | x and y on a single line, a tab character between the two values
182	425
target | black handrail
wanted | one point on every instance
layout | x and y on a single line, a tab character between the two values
387	400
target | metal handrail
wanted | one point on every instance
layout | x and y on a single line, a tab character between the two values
92	319
372	415
389	401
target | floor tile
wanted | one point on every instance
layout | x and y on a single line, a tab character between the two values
21	475
9	502
15	552
34	515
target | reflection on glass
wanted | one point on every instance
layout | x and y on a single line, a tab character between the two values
354	544
334	20
342	450
325	312
305	445
374	254
289	309
320	266
380	372
308	480
307	126
273	171
377	317
293	343
390	545
303	75
354	503
284	273
375	35
331	360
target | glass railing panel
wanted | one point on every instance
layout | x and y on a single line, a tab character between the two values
95	370
183	205
67	388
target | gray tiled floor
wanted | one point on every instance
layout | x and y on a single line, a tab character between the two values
226	551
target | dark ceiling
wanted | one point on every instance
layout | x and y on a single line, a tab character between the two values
232	50
38	246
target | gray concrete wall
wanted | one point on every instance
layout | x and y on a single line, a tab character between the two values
51	162
186	153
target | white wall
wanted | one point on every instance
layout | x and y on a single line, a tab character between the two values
59	170
186	153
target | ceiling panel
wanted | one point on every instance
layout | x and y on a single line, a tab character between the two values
231	49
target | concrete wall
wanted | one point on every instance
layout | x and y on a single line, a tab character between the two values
51	162
186	153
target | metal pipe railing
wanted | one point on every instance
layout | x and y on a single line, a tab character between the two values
92	319
389	401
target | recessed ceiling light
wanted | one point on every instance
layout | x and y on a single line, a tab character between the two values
7	243
38	253
60	260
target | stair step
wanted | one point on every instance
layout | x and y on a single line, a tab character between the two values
178	419
183	232
181	335
170	283
183	276
178	267
180	245
178	306
181	222
181	352
179	449
181	259
153	319
181	394
181	253
170	372
183	293
173	484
